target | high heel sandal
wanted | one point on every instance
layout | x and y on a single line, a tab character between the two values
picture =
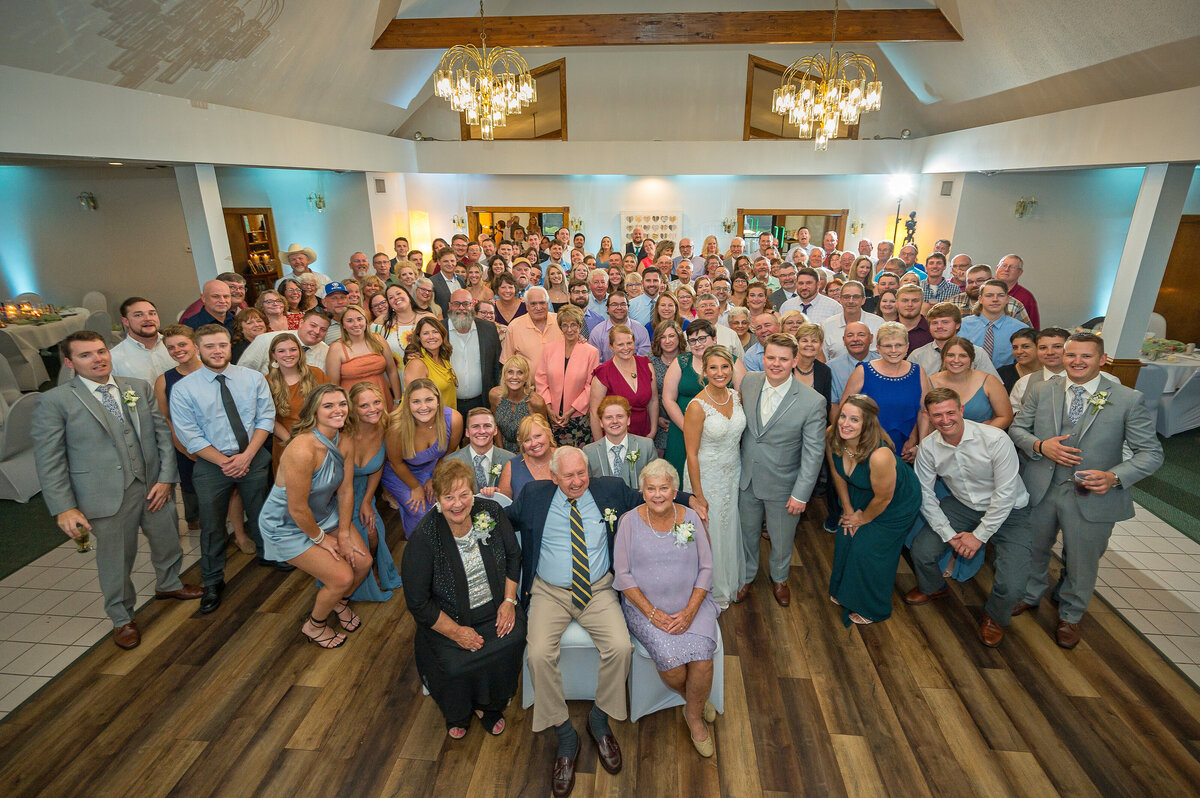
860	620
348	624
457	731
331	640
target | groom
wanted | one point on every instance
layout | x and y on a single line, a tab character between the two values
782	449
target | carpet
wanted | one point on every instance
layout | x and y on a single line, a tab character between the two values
27	531
1173	492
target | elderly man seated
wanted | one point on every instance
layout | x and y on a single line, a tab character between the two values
568	525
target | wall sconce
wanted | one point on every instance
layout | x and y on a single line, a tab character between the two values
729	223
316	201
458	221
87	201
577	225
1025	206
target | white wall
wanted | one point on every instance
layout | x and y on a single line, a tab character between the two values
134	245
389	211
1071	244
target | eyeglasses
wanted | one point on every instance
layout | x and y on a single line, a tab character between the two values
272	301
699	339
464	304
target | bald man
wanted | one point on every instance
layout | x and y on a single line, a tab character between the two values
216	299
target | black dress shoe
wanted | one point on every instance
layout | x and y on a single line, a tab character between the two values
285	567
212	597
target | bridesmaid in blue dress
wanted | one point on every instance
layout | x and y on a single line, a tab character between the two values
897	387
306	519
881	499
420	433
983	396
369	411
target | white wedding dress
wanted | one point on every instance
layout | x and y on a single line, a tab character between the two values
720	461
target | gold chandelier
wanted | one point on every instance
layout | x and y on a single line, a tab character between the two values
818	94
484	85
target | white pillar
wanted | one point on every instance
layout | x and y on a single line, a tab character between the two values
205	220
1144	258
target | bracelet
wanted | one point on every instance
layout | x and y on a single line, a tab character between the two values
317	540
653	612
1037	447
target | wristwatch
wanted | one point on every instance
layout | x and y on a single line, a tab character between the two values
1117	482
512	601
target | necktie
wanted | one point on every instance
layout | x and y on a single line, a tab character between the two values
616	459
767	408
581	580
231	412
110	403
481	479
1076	408
804	306
989	338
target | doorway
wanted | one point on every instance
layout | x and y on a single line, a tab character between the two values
489	220
254	247
1177	294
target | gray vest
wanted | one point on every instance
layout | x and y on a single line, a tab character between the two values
133	464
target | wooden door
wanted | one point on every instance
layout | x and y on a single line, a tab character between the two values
1177	295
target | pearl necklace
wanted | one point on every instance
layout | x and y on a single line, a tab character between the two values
728	397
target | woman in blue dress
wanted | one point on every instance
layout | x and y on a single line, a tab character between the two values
897	387
535	440
880	499
369	412
420	433
306	519
984	397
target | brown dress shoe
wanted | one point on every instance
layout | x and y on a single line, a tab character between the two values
742	593
783	594
127	636
185	593
610	752
562	778
1023	607
916	598
990	632
1067	634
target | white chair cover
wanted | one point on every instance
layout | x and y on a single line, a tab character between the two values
32	297
24	373
100	322
579	663
18	471
648	693
95	301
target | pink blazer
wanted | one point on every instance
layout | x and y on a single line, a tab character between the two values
552	379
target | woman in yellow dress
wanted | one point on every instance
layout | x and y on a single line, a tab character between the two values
427	356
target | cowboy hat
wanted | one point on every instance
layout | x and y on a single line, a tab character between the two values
308	251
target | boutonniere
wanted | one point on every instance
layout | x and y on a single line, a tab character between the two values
1098	401
633	456
610	516
481	527
684	533
130	398
494	471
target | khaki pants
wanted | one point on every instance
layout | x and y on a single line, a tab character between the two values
550	611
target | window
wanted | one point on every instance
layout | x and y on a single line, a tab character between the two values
762	79
545	118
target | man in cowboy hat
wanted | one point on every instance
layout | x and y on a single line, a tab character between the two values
300	259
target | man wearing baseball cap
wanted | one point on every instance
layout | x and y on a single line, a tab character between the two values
335	302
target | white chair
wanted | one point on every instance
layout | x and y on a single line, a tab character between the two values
1150	381
18	471
24	372
95	301
1180	411
32	297
10	391
1157	326
579	663
648	693
100	322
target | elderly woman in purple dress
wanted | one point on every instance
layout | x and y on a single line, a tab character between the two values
663	567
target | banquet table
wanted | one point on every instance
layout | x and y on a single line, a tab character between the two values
1179	405
1180	368
30	338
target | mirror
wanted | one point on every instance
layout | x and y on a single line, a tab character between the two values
489	219
783	224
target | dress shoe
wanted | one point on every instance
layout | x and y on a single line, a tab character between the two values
185	593
916	598
212	597
610	752
562	778
1067	635
285	567
990	632
1023	607
193	526
783	594
830	525
742	593
127	636
705	748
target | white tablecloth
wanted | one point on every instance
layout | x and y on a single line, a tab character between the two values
1179	370
29	338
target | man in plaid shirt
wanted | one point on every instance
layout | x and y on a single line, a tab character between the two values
936	287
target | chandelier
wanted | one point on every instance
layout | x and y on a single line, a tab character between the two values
818	94
485	86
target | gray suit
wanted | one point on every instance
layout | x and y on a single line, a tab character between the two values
780	459
1086	521
87	460
600	464
467	455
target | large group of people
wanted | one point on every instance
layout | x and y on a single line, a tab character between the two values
602	438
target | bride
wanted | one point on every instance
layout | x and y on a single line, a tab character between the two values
712	430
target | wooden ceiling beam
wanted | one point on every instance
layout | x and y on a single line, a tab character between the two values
718	27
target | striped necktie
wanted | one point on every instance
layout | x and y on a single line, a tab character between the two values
989	338
581	579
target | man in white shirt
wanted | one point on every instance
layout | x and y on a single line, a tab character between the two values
1050	343
474	352
685	253
808	300
803	237
301	259
944	319
707	308
766	242
987	501
142	354
311	333
482	455
853	296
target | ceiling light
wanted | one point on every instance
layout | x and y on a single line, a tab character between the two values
115	163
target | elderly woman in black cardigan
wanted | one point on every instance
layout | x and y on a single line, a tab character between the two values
460	571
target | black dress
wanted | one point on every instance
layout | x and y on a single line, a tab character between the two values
435	581
1009	376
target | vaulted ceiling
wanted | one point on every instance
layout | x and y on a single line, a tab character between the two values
312	59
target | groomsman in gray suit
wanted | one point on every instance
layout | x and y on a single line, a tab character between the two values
619	453
782	450
482	454
106	463
1073	430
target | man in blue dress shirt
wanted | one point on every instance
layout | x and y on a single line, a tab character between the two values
618	314
223	414
992	328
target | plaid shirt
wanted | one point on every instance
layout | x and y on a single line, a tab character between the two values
969	308
940	292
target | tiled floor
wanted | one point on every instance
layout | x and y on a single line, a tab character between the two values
51	611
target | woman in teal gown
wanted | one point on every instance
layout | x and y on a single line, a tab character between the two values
369	411
880	498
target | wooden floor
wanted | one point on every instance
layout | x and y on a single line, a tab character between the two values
234	703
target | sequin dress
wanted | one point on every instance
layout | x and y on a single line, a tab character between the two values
508	418
660	372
